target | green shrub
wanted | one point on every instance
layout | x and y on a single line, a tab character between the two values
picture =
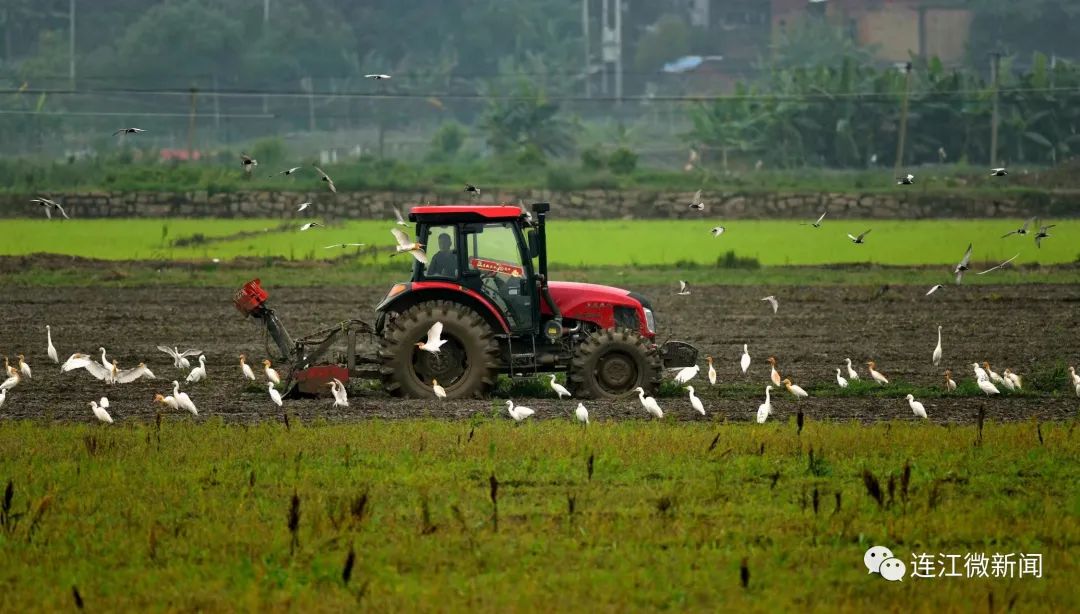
448	140
531	155
592	159
622	161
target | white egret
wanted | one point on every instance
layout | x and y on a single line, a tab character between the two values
183	400
878	377
100	413
405	244
24	369
744	361
440	392
772	301
198	374
684	288
559	388
271	374
3	397
712	371
246	369
765	408
582	414
980	374
275	396
1074	376
916	407
434	341
180	360
130	375
840	381
1012	377
994	377
11	382
695	402
988	387
649	403
686	374
937	351
341	396
51	349
518	413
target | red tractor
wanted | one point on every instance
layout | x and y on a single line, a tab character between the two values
486	280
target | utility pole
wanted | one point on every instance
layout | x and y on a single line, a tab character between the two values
903	120
71	43
995	63
191	125
618	57
604	46
266	11
585	36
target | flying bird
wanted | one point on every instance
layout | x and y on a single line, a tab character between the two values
49	205
1042	234
344	245
859	239
696	204
1023	230
128	131
400	219
377	76
998	172
963	266
772	301
684	288
815	224
434	341
324	177
287	171
906	180
248	163
302	206
180	360
405	244
934	289
471	189
718	230
998	266
310	225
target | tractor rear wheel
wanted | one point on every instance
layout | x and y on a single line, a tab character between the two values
612	363
466	366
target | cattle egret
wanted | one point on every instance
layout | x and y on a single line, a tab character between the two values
400	219
198	374
518	413
840	381
582	414
246	369
275	396
559	388
878	377
100	413
434	341
341	396
950	385
271	374
744	361
51	350
994	377
686	374
168	401
3	397
712	371
130	375
916	407
765	408
1008	383
795	390
980	374
405	244
24	369
649	403
695	402
988	387
937	351
11	382
774	375
183	400
440	392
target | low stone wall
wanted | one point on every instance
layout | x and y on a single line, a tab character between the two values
585	204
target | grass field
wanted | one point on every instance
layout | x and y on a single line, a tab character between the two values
181	516
573	244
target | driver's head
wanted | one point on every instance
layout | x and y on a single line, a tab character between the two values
444	242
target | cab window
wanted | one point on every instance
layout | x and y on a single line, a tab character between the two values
442	253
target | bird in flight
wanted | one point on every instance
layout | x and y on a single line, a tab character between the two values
405	244
717	231
344	245
400	219
471	189
934	289
998	172
772	301
1023	230
302	206
128	131
963	266
287	171
816	224
377	76
907	179
696	203
859	239
998	266
248	162
684	288
326	178
311	225
1042	234
49	205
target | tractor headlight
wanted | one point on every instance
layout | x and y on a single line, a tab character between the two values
650	320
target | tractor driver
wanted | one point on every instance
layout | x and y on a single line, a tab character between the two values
444	263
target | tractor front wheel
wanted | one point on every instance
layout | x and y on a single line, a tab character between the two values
612	363
466	366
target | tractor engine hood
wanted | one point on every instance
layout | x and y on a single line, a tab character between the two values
570	295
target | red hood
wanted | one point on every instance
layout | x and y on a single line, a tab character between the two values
569	295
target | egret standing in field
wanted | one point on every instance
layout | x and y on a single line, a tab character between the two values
51	349
937	351
1074	376
878	377
712	371
559	388
695	402
851	373
12	381
765	408
686	374
167	401
582	414
198	374
246	369
3	397
24	369
518	413
988	387
744	361
440	392
795	390
994	377
840	381
774	375
649	403
341	396
434	340
950	385
275	396
916	407
980	374
100	413
271	374
183	400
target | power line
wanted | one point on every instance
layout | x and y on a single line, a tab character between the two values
139	113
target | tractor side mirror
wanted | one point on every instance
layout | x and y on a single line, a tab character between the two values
534	245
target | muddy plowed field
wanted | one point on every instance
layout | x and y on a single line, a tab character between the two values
1029	328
